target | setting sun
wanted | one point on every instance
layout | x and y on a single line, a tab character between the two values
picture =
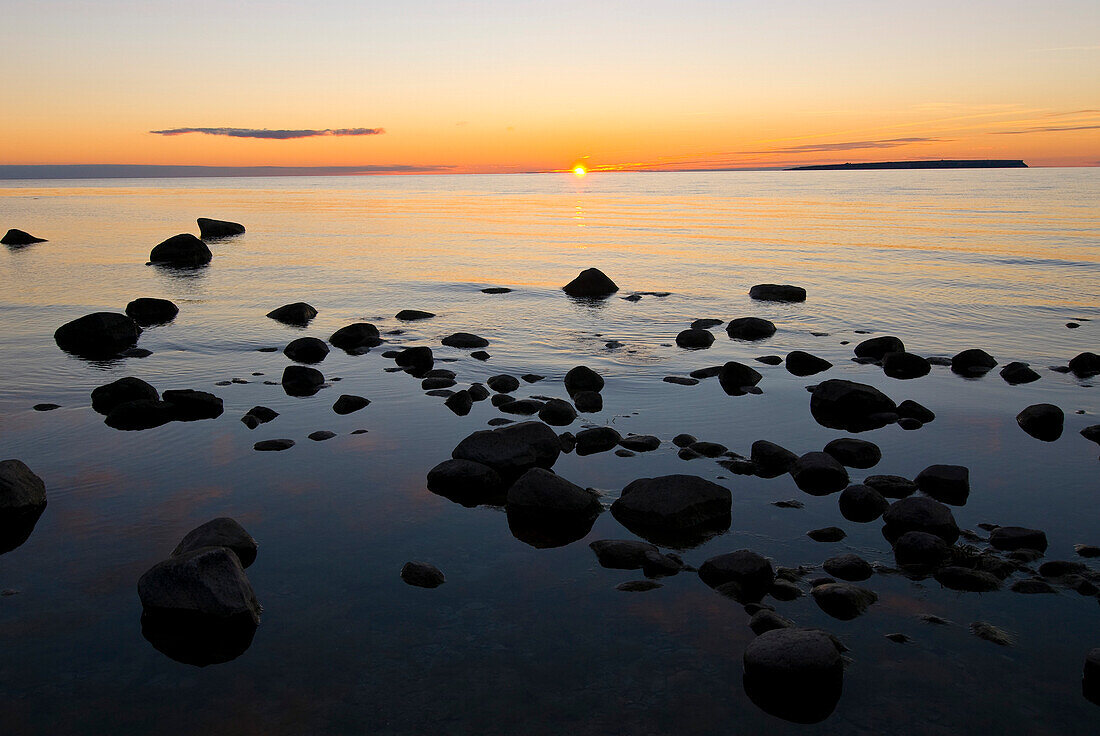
579	170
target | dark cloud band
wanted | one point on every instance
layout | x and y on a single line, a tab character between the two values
278	135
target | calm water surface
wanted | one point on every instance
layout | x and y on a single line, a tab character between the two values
525	640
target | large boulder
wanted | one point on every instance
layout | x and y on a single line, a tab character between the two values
854	453
920	514
209	229
298	314
503	383
148	311
750	328
1085	365
920	550
591	282
1018	537
306	350
843	600
416	360
558	413
582	378
876	348
1042	421
677	510
861	504
184	250
98	335
356	335
905	365
737	378
106	397
597	439
794	674
19	237
749	571
695	339
851	406
778	293
220	532
945	483
467	482
972	363
1016	373
140	414
819	474
189	405
300	380
541	493
206	586
771	460
511	450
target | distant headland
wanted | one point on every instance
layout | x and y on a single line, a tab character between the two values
941	164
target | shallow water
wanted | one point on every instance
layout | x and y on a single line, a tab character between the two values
525	640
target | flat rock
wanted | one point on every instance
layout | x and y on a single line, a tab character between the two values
1018	537
218	228
967	579
464	340
683	510
412	315
827	534
273	445
777	293
422	575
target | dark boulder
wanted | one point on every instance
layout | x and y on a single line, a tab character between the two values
422	575
751	572
843	601
583	378
140	414
183	250
348	403
801	363
220	532
750	328
464	340
541	493
910	409
1090	680
148	311
306	350
591	282
1018	537
794	674
208	582
525	407
356	335
273	445
640	442
1042	421
478	392
300	380
768	620
966	579
511	450
412	315
777	293
855	407
597	439
416	359
852	568
22	500
189	405
1091	433
460	402
695	339
589	402
298	314
945	483
622	554
107	397
98	335
1085	365
827	534
891	486
503	383
973	362
680	510
736	378
770	359
854	453
209	229
819	474
920	514
920	550
558	413
466	482
905	365
876	348
705	323
1016	373
861	504
19	237
771	460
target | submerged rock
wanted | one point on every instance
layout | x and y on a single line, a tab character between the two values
967	579
220	532
218	228
750	328
140	414
273	445
751	572
298	314
183	250
778	293
917	549
680	510
827	534
592	282
98	335
891	486
422	575
147	311
1042	421
991	633
19	237
794	674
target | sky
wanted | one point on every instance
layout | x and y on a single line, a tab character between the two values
525	85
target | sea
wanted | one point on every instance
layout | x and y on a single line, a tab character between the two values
526	639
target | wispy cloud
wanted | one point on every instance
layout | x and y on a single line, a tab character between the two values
850	145
1048	129
265	133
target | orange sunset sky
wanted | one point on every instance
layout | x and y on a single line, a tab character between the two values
499	86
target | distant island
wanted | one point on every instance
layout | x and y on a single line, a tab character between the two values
941	164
